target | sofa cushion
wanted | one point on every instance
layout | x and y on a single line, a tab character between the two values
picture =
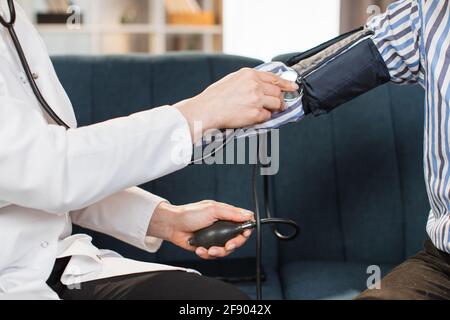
271	287
368	180
330	280
407	107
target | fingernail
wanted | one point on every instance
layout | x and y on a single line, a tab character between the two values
213	252
295	86
201	251
247	213
231	247
247	233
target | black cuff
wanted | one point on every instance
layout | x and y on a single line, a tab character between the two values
354	72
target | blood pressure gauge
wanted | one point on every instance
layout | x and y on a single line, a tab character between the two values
290	75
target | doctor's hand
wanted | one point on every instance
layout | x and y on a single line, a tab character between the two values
239	100
177	224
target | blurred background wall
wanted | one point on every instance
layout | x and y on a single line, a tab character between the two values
266	28
354	13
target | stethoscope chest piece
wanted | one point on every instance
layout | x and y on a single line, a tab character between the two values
291	76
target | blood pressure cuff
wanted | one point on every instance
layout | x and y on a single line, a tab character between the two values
328	76
338	71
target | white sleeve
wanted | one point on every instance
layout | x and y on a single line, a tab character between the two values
47	168
125	215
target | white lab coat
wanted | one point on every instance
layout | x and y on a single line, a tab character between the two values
51	178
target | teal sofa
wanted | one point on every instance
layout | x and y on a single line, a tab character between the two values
352	179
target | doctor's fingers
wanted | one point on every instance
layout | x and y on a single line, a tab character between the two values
236	243
275	92
230	247
271	89
213	253
273	104
218	252
226	212
274	79
203	254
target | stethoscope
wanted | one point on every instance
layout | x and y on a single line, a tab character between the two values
9	25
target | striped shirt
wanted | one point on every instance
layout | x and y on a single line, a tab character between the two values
413	37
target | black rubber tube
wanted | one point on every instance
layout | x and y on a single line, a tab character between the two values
258	233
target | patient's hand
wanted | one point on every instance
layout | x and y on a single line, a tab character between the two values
178	223
241	99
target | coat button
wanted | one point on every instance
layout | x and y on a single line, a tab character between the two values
44	244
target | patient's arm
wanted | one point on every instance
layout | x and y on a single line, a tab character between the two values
387	49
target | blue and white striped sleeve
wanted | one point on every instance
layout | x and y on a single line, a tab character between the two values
397	37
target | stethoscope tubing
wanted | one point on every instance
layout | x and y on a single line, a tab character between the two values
9	25
12	16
